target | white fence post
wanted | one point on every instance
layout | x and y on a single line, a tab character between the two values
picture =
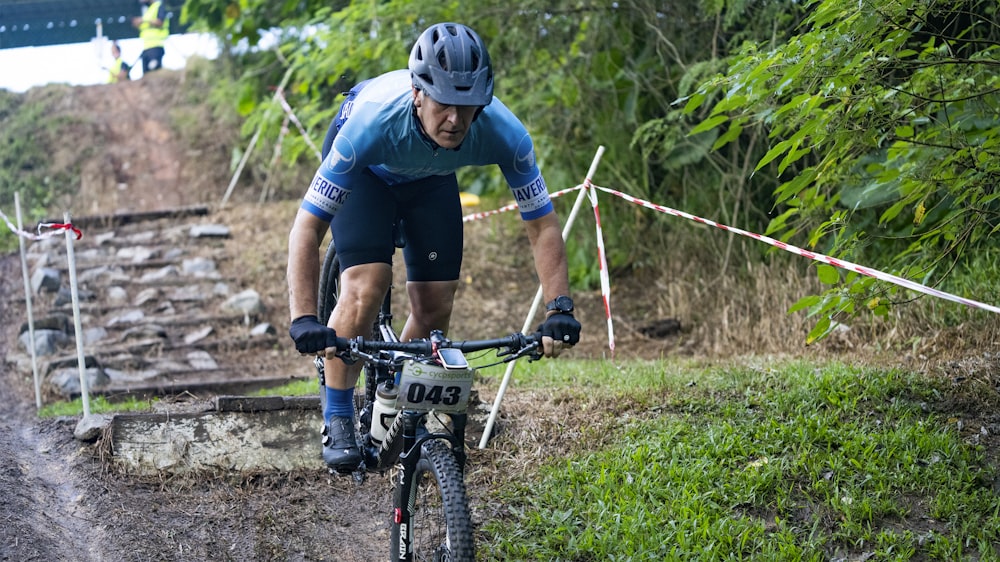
536	302
77	327
27	302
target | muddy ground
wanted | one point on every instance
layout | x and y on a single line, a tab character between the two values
62	500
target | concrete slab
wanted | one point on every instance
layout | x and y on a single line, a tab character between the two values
241	434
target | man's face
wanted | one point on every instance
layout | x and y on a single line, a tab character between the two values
446	125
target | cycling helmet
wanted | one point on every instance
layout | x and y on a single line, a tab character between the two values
449	62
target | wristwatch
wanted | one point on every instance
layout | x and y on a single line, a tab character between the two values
562	303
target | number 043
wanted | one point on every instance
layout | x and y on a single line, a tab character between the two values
428	387
435	394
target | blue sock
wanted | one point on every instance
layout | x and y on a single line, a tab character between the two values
339	403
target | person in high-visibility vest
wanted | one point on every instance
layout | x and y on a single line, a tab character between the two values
153	29
119	70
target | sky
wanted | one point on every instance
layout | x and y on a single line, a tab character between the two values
81	64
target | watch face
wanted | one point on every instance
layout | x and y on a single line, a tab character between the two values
563	304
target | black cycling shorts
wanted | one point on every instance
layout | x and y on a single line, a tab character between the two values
431	215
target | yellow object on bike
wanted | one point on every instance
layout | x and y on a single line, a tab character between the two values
469	199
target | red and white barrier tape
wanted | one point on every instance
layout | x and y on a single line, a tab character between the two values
842	264
603	264
42	235
513	206
866	271
605	279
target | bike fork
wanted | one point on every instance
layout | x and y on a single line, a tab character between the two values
402	510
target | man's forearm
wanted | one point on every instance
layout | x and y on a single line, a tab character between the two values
302	272
303	284
549	252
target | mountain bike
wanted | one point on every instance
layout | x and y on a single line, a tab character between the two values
412	416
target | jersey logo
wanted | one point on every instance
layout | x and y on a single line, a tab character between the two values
533	196
342	158
524	156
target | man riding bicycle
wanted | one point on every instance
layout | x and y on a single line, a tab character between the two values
391	153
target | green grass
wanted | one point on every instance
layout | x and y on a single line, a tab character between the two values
796	462
98	405
101	405
302	387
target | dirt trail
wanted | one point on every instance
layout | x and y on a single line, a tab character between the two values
42	517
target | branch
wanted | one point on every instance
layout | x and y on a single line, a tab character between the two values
945	100
927	64
921	143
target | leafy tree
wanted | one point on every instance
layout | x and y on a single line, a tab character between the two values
883	127
579	74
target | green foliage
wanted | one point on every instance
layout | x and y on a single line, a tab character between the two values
578	76
247	21
883	125
28	125
865	131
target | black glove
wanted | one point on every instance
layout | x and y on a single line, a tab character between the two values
310	336
562	327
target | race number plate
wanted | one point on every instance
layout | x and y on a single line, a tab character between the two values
424	387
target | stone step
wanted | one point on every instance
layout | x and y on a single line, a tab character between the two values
121	219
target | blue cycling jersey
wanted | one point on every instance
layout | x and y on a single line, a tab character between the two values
381	133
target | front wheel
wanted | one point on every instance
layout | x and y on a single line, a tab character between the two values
439	527
329	292
329	284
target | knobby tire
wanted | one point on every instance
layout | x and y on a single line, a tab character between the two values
329	284
442	529
329	292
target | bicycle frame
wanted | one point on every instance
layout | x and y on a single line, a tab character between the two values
407	423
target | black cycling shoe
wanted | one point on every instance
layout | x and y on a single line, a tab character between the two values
340	446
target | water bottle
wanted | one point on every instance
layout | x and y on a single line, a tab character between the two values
384	411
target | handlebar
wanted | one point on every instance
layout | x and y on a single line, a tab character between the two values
516	345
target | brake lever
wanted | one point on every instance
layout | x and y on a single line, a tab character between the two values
536	347
346	357
345	350
532	351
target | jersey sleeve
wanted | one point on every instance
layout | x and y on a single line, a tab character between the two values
518	164
353	148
